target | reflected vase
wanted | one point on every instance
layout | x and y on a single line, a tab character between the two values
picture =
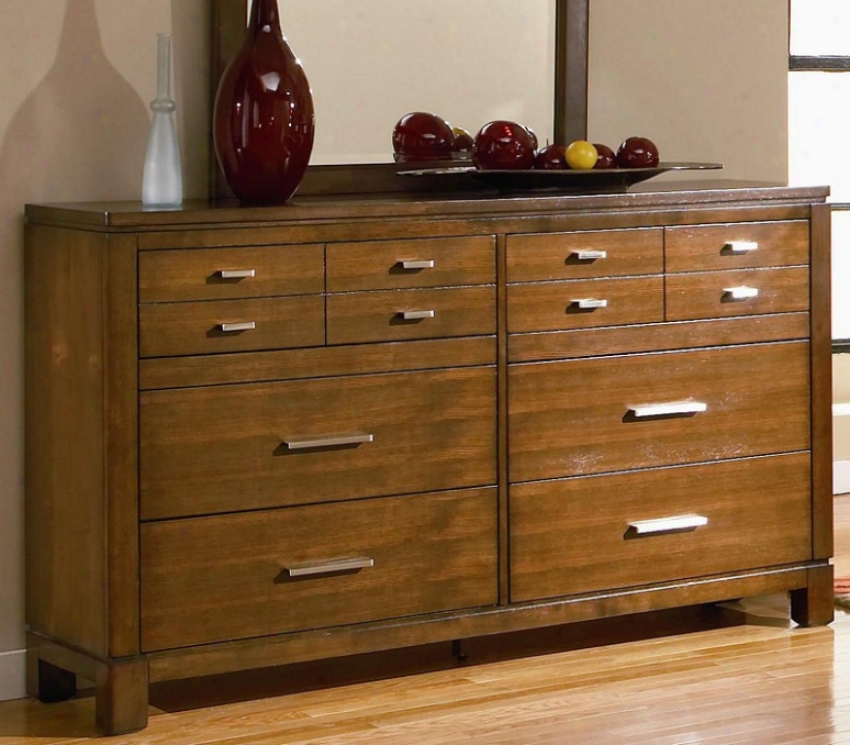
263	121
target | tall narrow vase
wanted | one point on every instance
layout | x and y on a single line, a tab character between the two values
162	185
263	123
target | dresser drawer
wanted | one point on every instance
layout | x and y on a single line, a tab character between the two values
422	262
552	306
602	253
575	535
737	245
614	413
235	576
225	273
241	447
169	329
737	293
395	315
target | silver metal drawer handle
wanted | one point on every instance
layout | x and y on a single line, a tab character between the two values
590	303
742	247
669	524
741	293
416	264
329	566
232	327
588	254
417	315
670	408
237	273
310	441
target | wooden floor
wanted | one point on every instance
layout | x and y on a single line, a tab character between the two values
667	680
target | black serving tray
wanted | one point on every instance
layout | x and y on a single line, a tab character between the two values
566	181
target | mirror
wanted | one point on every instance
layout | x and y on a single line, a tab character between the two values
371	61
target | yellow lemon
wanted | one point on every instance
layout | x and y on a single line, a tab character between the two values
581	155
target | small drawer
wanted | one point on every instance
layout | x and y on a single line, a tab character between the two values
170	329
553	306
226	273
603	253
425	262
737	245
242	447
739	293
214	579
587	416
603	532
396	315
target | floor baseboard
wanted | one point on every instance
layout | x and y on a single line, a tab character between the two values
13	675
841	477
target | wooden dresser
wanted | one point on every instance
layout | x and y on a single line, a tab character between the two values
257	436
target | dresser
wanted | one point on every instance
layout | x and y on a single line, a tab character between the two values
258	436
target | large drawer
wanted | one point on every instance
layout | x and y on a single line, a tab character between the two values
397	315
412	262
736	245
580	255
552	306
169	329
236	576
241	447
574	535
588	416
737	293
228	273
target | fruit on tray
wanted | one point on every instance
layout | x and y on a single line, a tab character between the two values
550	158
504	145
606	158
463	139
581	155
637	152
420	135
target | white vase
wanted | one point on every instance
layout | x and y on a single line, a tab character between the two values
162	185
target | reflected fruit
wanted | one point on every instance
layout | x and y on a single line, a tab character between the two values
423	136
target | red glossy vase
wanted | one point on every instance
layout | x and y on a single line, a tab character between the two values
263	122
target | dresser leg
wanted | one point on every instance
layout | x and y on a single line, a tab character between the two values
813	605
121	696
48	683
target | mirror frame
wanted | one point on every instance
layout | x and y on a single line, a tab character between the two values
570	96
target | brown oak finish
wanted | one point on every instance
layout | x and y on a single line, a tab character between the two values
707	294
573	417
554	306
549	256
362	317
379	265
222	449
204	413
573	535
176	329
197	275
704	247
439	555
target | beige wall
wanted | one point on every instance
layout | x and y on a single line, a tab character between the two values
706	80
77	79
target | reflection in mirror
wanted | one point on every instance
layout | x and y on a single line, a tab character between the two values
371	61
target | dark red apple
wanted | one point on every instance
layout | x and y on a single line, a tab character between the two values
504	145
637	152
550	158
423	136
606	158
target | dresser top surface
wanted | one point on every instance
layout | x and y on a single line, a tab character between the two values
132	215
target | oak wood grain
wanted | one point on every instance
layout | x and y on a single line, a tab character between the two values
549	256
222	449
221	578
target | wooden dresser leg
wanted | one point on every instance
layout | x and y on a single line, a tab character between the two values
813	605
121	696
